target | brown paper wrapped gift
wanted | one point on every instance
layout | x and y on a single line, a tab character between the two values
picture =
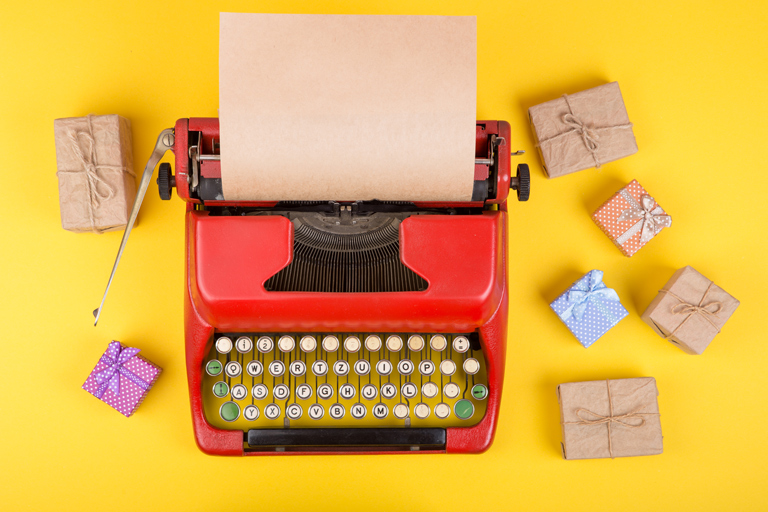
95	170
690	310
582	130
610	418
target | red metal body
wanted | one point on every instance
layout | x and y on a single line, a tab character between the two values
462	257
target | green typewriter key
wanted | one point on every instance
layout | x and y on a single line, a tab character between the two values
220	389
229	411
479	392
464	409
213	368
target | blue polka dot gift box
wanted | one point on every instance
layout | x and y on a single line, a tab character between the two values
122	378
589	308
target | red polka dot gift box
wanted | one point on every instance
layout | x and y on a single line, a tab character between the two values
631	218
122	378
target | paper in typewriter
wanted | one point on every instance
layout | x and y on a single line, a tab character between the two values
334	107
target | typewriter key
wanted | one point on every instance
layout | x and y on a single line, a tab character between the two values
460	344
421	411
213	368
341	367
276	368
272	411
224	345
331	343
233	369
239	391
451	390
281	392
471	366
384	367
373	343
220	389
369	392
464	409
244	344
316	411
347	391
426	367
380	411
400	411
388	390
447	367
438	343
286	343
260	391
297	368
358	411
325	391
254	368
319	368
336	411
409	390
352	344
308	343
442	410
251	413
479	392
430	390
264	344
294	411
394	343
229	411
362	367
405	367
416	342
304	391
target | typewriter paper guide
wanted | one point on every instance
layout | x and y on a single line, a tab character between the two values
334	107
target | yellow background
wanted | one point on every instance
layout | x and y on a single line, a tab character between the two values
695	79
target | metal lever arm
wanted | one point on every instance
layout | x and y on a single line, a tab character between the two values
164	143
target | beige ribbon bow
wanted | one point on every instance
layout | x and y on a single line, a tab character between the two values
651	220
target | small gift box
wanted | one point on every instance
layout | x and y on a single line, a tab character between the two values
589	308
582	130
690	310
122	378
631	218
610	418
95	169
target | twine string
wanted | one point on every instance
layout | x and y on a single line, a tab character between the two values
706	311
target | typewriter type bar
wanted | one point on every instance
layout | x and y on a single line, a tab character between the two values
410	438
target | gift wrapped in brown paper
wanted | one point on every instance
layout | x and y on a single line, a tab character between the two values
610	418
95	169
690	310
582	130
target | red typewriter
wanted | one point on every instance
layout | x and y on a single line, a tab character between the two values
341	327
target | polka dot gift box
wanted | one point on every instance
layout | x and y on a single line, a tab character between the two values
589	308
631	218
122	378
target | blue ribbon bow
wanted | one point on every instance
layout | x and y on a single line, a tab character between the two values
109	378
589	290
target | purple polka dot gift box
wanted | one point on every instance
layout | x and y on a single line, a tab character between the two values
122	378
589	308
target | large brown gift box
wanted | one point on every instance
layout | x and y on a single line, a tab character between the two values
610	418
95	169
582	130
690	310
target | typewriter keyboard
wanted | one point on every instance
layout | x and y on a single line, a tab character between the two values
257	381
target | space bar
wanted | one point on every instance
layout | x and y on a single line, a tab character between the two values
432	437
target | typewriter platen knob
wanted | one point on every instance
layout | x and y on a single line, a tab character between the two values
522	182
165	181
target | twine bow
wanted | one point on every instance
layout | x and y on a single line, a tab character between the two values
706	311
622	419
109	378
83	146
650	219
588	134
594	291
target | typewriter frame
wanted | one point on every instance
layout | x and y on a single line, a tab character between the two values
481	308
